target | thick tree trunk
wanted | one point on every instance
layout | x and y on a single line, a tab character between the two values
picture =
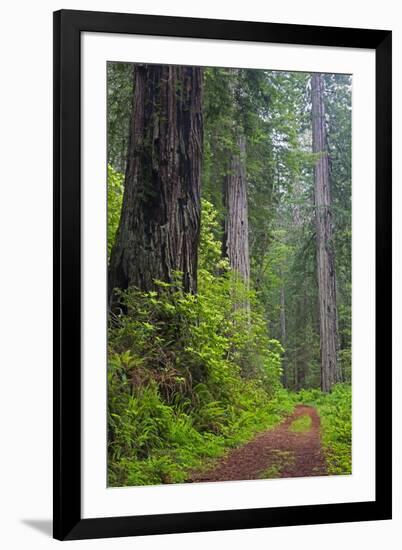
235	241
160	221
330	373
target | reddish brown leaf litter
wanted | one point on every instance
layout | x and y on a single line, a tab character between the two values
275	453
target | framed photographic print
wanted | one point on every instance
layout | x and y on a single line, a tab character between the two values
222	274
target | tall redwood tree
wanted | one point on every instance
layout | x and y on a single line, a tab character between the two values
160	221
330	371
235	241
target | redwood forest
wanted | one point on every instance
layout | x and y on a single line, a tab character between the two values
229	274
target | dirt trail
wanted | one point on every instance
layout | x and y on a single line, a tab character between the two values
280	452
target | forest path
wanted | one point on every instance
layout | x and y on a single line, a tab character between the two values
292	449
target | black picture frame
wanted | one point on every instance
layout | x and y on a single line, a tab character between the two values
68	26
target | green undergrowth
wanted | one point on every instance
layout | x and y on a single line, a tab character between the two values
189	376
159	443
272	472
301	424
335	410
115	186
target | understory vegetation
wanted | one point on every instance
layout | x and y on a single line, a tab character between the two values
189	375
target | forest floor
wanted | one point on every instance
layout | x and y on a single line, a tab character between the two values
292	449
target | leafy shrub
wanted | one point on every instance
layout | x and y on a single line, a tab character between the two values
115	182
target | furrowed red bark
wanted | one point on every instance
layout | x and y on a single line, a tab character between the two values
160	221
330	372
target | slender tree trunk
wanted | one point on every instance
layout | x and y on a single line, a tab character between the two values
235	239
283	316
295	373
283	334
324	241
235	242
160	221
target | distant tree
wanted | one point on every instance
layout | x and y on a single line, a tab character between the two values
119	106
